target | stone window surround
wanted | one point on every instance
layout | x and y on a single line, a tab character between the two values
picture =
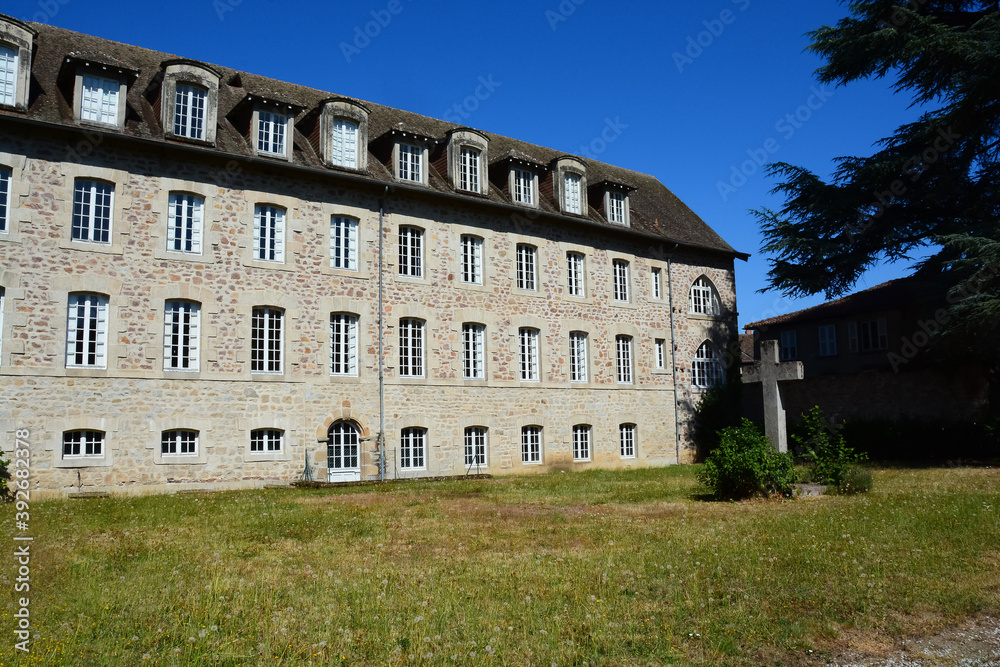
192	73
289	438
715	294
692	357
290	334
17	35
432	344
517	323
122	74
395	432
410	139
631	419
207	336
664	281
10	283
211	220
121	206
273	106
588	263
54	442
584	421
16	216
532	420
487	237
342	108
651	336
631	263
639	365
560	168
464	137
367	236
540	291
61	288
367	321
606	204
479	420
428	263
569	325
516	165
293	230
179	422
485	318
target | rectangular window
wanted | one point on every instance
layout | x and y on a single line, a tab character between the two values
827	340
266	340
412	445
473	344
99	103
581	443
189	111
87	331
264	440
621	279
623	348
524	187
345	143
577	356
526	267
655	284
181	331
185	220
872	335
410	163
529	354
92	203
468	178
268	233
574	274
343	344
472	260
271	130
411	252
83	443
343	243
789	345
660	346
411	348
572	193
8	75
179	443
616	208
626	437
475	446
5	188
531	444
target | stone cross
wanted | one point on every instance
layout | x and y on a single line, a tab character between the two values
769	371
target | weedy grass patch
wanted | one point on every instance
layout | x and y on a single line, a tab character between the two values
597	568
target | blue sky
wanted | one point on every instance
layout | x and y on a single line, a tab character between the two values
696	89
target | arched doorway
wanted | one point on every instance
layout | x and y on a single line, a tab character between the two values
343	452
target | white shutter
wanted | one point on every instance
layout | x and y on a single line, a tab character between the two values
352	345
883	336
852	336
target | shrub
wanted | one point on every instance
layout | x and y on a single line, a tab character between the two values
856	480
5	492
719	408
745	464
825	449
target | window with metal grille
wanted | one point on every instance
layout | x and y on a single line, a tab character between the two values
266	340
87	331
92	202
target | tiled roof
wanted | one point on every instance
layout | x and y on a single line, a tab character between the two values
746	348
655	210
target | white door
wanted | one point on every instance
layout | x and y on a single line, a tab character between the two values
343	457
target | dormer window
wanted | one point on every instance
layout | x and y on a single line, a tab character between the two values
268	125
616	208
99	101
345	143
190	99
343	133
524	187
100	85
468	177
410	163
16	41
466	156
8	75
271	132
569	181
189	111
614	200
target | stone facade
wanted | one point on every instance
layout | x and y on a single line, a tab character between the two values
133	401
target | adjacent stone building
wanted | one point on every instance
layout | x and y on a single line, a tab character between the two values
209	278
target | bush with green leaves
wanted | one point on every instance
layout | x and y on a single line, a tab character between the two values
745	464
5	492
825	449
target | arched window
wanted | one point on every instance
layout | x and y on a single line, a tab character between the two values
706	369
342	451
704	298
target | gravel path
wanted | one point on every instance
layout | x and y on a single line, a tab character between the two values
975	644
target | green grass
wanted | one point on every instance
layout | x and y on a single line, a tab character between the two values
599	568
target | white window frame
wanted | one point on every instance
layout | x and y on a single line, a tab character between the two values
575	285
704	298
531	445
267	340
411	252
185	223
706	368
411	347
827	340
267	441
527	262
179	442
621	282
343	344
99	99
272	133
345	143
472	260
524	187
344	447
269	233
623	359
660	350
88	444
6	185
190	111
9	74
656	282
93	212
411	163
181	335
473	351
528	354
578	367
87	338
626	440
469	169
789	345
343	243
413	448
581	442
476	446
571	192
617	213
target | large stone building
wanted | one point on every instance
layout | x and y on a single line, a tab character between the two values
192	262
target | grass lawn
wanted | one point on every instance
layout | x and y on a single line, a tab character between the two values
596	568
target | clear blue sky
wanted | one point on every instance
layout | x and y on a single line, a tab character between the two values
698	85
